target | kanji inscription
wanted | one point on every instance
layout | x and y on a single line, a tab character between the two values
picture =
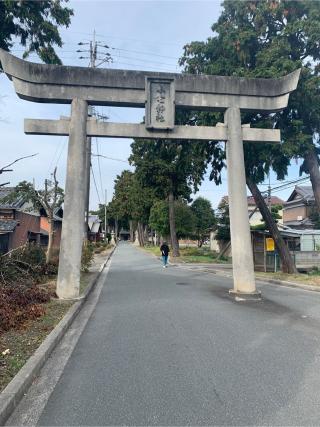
160	104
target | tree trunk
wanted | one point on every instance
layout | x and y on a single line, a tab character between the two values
131	230
140	234
285	256
50	241
146	234
116	230
311	159
172	222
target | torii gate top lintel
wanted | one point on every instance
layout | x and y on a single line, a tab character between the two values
60	84
161	94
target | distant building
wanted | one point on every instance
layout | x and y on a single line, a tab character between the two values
94	228
253	211
20	224
298	207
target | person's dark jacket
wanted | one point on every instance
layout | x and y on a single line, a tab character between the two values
164	249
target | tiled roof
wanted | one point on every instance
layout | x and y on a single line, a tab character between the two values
8	225
251	202
274	201
305	192
94	223
4	192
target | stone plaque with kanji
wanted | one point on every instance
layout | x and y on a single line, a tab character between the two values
160	103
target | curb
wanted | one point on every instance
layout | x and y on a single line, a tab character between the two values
19	385
290	284
262	280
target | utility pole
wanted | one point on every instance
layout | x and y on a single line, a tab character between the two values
93	56
269	195
105	214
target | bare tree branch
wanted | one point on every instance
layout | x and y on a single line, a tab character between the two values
17	160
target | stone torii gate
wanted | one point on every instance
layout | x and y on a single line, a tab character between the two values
160	94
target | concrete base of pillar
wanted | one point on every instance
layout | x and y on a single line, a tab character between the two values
242	296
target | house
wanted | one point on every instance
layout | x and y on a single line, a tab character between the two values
304	246
94	228
298	207
45	227
254	213
20	224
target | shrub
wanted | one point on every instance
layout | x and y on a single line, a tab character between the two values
20	296
19	303
87	256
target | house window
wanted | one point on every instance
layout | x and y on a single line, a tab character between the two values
294	244
6	215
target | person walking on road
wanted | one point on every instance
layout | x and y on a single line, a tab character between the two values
164	248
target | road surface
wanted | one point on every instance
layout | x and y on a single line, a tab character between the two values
169	347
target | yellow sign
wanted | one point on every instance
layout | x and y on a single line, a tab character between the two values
270	246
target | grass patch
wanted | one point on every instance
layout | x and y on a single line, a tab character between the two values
18	344
312	278
192	255
23	342
85	280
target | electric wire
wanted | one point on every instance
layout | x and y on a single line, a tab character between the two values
59	145
95	184
99	167
110	158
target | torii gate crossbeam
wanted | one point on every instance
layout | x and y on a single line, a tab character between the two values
161	93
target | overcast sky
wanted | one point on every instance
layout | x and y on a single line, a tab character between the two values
142	35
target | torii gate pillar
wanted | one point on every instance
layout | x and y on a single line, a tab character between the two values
161	94
242	256
74	204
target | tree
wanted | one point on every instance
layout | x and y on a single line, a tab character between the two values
270	39
4	169
174	169
223	222
35	25
275	215
130	205
205	218
50	198
185	219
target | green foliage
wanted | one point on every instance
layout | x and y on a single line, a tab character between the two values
35	25
205	218
255	38
169	166
275	215
315	219
49	198
223	222
87	256
26	264
184	218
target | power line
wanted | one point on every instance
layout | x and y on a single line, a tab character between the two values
289	184
145	53
150	67
59	145
127	38
97	144
148	60
95	184
110	158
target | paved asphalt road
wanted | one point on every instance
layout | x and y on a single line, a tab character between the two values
169	347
